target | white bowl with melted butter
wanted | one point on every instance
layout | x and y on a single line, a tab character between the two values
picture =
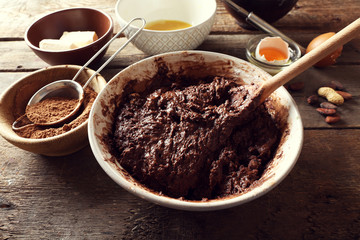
171	25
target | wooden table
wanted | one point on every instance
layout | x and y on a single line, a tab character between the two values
72	198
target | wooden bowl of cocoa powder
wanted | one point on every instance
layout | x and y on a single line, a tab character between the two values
55	140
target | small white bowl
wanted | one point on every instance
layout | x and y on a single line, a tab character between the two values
201	64
200	14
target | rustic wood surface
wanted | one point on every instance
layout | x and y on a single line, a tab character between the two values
72	198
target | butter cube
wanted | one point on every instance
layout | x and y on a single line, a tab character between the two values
55	45
79	38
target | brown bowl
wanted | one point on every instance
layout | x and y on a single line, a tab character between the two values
53	25
13	102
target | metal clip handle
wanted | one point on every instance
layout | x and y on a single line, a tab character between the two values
106	45
260	24
21	122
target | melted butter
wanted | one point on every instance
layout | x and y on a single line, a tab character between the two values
166	25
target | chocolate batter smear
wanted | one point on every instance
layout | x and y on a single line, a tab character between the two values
195	139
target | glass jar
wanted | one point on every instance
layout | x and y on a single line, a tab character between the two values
273	69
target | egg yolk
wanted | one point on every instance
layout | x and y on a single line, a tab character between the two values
272	54
166	25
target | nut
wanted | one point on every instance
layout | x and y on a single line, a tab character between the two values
331	95
332	119
313	100
296	86
326	111
336	85
328	105
345	95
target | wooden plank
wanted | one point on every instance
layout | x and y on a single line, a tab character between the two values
235	45
319	16
306	16
8	78
72	198
17	56
315	78
17	15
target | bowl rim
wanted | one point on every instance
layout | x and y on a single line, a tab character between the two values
28	42
16	138
118	16
209	205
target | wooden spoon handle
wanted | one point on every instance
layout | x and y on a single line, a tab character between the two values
309	59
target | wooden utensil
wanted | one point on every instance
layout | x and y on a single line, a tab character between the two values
345	35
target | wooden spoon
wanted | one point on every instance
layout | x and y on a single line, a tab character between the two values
308	60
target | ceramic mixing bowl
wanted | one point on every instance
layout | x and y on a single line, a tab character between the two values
200	14
52	26
198	64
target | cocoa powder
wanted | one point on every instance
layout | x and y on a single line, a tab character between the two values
50	109
37	132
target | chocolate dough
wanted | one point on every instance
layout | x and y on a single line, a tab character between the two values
189	140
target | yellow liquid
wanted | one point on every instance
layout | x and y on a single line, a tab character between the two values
166	25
